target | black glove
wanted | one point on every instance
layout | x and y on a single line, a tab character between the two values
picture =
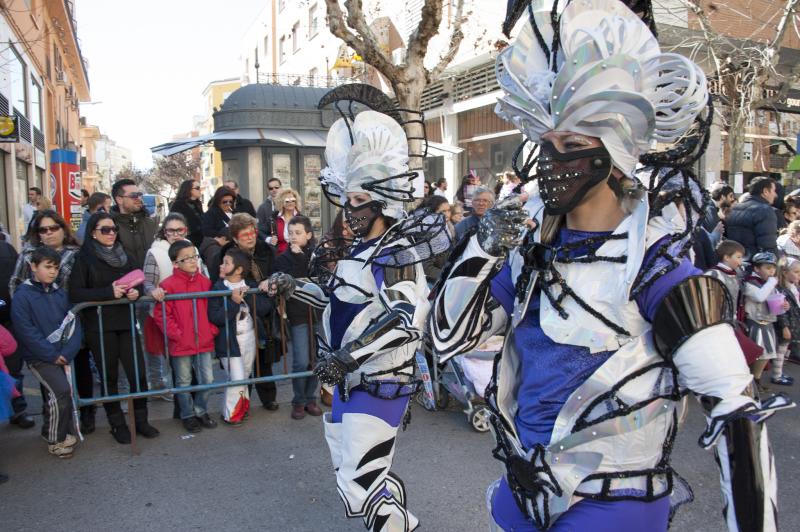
283	284
502	227
332	369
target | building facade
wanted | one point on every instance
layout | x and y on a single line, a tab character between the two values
101	159
44	82
214	95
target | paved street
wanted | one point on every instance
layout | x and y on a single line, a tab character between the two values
274	474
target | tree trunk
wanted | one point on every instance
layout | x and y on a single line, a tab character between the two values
409	96
737	123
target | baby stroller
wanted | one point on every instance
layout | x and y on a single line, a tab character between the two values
465	378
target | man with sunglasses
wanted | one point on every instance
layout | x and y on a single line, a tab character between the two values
267	208
136	228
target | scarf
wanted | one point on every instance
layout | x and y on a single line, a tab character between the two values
114	256
724	269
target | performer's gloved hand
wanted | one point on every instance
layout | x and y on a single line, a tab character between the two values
503	226
332	369
280	285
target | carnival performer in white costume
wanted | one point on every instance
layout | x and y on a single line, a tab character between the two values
607	324
375	304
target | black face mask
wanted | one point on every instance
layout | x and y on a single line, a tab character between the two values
565	178
361	218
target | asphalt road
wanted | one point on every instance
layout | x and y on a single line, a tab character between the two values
274	474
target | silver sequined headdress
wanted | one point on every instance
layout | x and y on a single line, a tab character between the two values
604	76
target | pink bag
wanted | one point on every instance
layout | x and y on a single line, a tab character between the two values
131	279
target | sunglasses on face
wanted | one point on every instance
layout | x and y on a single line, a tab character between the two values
274	188
134	195
108	229
178	231
45	229
246	234
226	202
190	258
195	188
290	201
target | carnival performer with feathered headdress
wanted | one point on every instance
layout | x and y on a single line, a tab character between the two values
607	324
375	300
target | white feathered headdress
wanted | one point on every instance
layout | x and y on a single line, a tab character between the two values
375	161
610	81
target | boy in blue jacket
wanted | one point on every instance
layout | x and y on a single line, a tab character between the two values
49	337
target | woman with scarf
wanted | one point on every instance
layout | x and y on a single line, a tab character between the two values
101	262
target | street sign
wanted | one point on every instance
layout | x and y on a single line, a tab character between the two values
9	128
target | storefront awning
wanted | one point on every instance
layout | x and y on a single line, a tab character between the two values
299	137
794	164
437	149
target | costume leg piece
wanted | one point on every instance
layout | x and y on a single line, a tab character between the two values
362	448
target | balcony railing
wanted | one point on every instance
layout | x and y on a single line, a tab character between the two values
304	80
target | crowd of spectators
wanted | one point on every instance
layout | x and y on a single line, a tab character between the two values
752	243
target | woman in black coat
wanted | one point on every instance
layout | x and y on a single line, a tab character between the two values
220	211
188	203
100	263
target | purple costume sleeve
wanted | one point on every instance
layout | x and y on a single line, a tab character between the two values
651	297
502	288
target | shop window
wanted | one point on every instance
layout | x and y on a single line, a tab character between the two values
21	195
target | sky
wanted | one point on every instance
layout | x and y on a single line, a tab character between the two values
150	60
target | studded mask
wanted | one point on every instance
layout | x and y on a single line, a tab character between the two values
565	178
361	218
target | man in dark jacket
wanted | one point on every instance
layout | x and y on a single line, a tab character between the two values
240	203
267	208
137	230
752	222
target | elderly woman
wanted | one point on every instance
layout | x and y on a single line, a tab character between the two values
607	324
244	236
287	206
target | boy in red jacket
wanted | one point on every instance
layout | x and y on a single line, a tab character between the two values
189	333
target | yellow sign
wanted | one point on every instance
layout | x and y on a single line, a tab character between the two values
9	128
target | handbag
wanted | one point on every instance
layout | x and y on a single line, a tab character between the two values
131	279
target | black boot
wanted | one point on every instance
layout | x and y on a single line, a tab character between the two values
87	419
119	429
142	426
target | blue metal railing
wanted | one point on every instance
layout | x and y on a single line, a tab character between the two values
105	397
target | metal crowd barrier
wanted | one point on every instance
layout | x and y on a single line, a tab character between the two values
137	333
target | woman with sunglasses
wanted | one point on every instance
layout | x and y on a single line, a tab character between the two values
187	202
48	228
101	262
157	267
219	213
287	206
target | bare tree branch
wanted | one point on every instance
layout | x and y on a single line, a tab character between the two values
428	26
363	42
455	41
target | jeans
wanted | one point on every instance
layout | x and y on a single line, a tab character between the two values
304	389
158	372
182	368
